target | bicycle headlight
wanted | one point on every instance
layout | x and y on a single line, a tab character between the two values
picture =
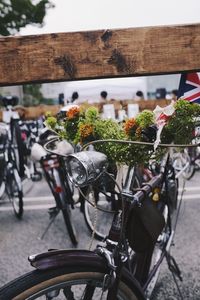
85	167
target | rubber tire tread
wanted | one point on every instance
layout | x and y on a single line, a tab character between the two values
31	279
19	213
69	225
97	236
137	178
20	147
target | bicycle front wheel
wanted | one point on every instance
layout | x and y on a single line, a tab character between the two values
72	283
98	213
15	193
18	147
189	168
182	163
67	215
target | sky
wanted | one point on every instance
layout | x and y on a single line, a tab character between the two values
79	15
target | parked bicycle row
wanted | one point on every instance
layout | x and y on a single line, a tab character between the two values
139	208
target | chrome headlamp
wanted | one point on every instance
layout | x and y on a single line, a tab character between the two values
85	167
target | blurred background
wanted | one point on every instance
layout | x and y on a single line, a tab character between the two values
26	17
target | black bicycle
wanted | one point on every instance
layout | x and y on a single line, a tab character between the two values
30	131
10	181
187	161
55	174
12	119
126	265
67	197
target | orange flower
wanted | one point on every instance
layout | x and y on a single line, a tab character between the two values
86	130
138	132
73	112
130	126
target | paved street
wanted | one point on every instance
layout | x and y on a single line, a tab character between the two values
18	239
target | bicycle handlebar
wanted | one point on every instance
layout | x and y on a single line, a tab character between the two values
53	140
141	143
146	189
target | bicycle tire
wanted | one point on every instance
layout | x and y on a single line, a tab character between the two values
156	253
56	282
18	147
64	205
188	173
98	220
15	193
66	212
179	163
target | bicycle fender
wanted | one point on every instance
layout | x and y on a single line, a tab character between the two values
62	258
54	259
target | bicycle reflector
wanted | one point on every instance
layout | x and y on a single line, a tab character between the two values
86	166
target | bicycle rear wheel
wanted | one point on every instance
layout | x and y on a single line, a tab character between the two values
18	145
75	282
14	192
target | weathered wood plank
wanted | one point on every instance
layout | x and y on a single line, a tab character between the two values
99	54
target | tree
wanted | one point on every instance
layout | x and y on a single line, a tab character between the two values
32	94
15	14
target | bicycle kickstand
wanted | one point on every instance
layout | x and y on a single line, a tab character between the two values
53	212
175	271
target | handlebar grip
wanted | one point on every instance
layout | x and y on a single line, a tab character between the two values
139	196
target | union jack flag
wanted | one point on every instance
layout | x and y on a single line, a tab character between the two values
189	87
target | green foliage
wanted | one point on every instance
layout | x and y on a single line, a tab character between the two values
91	114
181	125
15	14
145	119
32	94
81	127
52	121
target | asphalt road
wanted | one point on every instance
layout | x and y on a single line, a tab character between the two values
20	238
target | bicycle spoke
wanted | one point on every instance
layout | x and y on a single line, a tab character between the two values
68	293
88	293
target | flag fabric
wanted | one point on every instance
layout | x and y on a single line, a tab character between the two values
189	87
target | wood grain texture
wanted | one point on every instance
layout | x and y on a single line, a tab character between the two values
99	54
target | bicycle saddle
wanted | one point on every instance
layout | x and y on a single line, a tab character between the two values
9	100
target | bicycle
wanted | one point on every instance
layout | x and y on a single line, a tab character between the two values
11	184
126	265
11	118
187	161
68	198
182	163
55	174
30	131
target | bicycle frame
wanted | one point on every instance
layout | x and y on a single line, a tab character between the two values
11	163
12	184
53	170
112	256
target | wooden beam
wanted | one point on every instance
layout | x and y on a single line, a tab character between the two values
99	54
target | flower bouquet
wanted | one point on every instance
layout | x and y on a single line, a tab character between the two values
82	126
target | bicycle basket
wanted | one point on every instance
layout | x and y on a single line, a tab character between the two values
144	225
